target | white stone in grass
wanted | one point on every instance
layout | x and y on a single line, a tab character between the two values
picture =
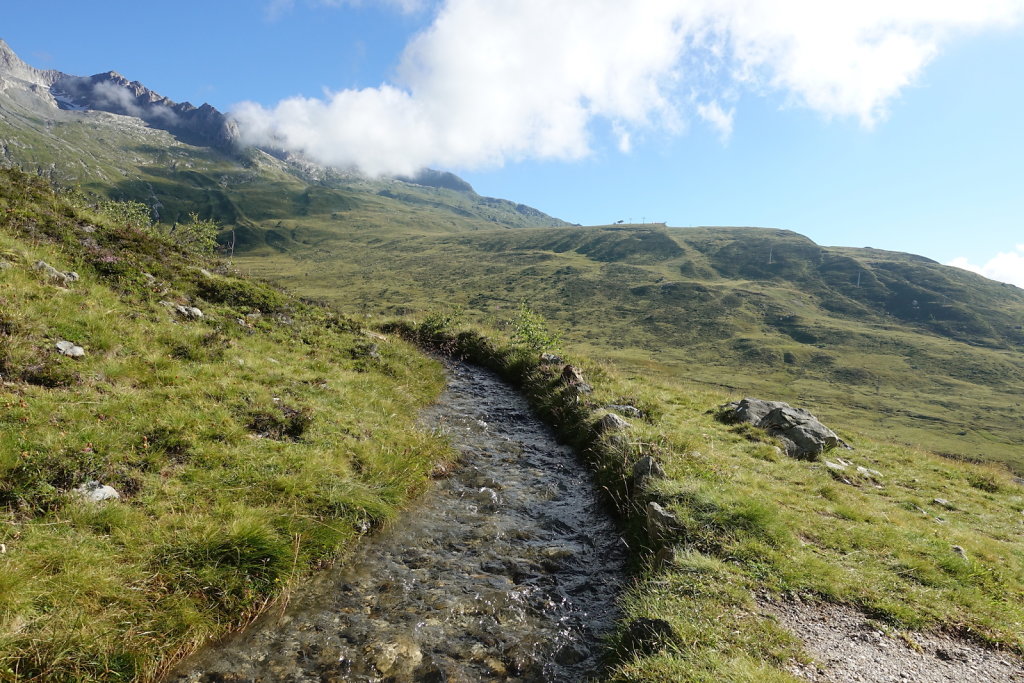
70	349
189	312
96	492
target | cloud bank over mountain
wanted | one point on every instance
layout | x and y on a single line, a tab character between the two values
1005	266
492	82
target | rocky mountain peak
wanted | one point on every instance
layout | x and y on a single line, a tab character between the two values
12	68
112	92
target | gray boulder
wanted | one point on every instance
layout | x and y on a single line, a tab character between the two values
610	422
70	349
628	411
645	469
661	524
800	432
96	492
56	276
189	312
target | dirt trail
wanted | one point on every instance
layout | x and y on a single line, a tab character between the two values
847	646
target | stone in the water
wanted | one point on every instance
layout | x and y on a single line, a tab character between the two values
96	492
70	349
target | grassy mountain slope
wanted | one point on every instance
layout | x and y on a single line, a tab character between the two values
249	191
916	542
892	344
248	446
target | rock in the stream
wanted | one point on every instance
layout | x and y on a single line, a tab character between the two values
70	349
96	492
645	469
647	636
801	433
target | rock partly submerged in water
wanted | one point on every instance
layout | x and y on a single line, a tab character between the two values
803	435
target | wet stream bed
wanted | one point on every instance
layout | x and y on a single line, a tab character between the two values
509	569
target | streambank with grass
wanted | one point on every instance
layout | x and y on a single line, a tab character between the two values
250	437
746	545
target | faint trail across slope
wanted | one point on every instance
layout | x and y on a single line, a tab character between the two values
508	570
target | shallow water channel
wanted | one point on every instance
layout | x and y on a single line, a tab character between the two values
507	570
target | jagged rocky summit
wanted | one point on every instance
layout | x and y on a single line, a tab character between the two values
111	92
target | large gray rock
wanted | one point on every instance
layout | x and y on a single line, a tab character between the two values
189	312
646	469
70	349
627	410
96	492
661	524
610	422
56	276
800	432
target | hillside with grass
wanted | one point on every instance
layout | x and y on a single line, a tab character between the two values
48	127
728	531
893	344
250	437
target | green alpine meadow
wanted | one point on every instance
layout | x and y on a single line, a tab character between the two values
214	361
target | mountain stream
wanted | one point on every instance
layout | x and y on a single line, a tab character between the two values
508	570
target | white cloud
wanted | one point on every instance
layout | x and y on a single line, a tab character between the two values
1004	266
719	119
499	80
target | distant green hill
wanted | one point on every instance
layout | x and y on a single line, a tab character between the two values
891	343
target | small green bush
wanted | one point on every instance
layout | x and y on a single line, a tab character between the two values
242	294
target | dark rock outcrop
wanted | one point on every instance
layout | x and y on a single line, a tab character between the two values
800	432
112	92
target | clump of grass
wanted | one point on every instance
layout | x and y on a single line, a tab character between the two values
282	422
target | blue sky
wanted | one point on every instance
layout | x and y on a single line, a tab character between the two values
895	128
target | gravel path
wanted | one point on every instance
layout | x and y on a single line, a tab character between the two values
846	646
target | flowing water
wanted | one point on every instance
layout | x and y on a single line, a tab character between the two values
507	570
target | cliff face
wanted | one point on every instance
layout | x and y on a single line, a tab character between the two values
112	92
16	73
